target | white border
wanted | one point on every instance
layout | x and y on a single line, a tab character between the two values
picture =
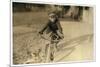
55	3
11	34
41	2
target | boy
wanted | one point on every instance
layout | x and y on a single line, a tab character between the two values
55	28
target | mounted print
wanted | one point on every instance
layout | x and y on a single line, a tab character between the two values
51	33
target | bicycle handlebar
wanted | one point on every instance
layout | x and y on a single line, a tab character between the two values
49	39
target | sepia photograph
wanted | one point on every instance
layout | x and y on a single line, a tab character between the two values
52	33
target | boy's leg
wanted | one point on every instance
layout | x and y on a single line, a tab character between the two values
55	46
52	51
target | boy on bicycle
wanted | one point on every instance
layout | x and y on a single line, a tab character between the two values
55	28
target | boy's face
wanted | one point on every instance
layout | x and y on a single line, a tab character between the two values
52	18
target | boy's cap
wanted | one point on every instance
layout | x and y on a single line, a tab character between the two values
52	14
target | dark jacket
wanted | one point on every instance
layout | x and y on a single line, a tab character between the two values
52	27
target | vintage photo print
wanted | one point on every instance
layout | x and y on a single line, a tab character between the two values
51	33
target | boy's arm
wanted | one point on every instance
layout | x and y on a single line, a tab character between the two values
59	27
60	30
44	28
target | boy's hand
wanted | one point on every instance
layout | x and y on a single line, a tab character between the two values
60	34
40	32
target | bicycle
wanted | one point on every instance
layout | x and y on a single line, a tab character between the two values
51	47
